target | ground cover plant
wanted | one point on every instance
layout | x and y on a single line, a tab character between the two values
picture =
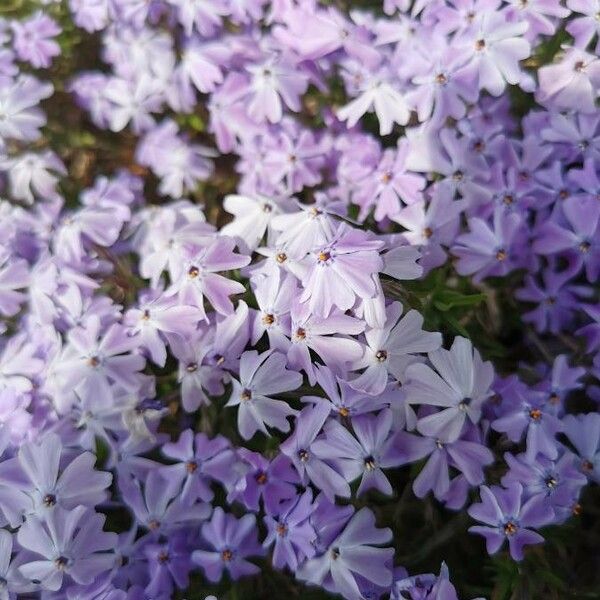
299	299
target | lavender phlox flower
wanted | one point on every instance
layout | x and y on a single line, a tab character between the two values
532	418
290	532
14	276
298	447
94	359
68	543
328	336
353	552
261	376
229	543
460	386
364	455
33	40
252	217
20	116
488	250
391	349
343	399
157	504
585	26
342	270
200	460
275	481
571	83
507	517
155	319
274	83
559	480
200	276
579	235
583	431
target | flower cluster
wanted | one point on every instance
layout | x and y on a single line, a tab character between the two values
195	386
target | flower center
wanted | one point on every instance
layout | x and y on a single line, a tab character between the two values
464	404
427	232
551	482
163	557
193	272
246	394
300	334
584	247
153	525
343	411
579	66
268	319
381	355
191	466
303	455
441	79
93	361
458	176
281	257
535	414
227	555
261	478
501	255
61	563
587	466
479	45
49	500
267	208
191	367
281	529
146	315
324	256
370	463
510	528
335	553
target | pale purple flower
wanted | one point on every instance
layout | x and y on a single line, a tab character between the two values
14	276
20	116
496	47
252	217
572	83
291	533
262	376
132	102
507	517
155	319
199	277
329	337
230	542
32	175
298	447
274	481
353	552
67	543
32	40
460	386
366	454
157	504
391	349
341	271
93	360
273	84
200	461
586	25
487	251
579	235
583	431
